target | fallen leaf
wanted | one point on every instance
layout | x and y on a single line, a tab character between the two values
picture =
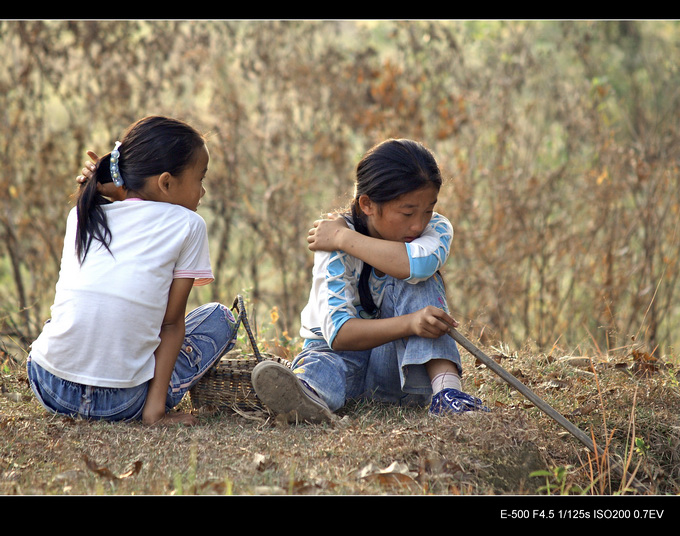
585	409
556	384
107	473
397	474
259	462
644	364
136	466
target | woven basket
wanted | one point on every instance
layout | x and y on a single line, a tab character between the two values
227	384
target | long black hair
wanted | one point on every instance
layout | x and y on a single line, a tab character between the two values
150	146
388	170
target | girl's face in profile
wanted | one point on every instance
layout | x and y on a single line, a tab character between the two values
403	219
191	188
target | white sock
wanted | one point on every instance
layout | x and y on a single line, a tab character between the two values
446	380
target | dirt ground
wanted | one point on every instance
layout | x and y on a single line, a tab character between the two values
371	449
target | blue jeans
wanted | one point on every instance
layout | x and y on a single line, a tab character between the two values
210	332
394	372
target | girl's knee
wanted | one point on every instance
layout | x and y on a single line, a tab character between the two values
402	297
211	313
210	329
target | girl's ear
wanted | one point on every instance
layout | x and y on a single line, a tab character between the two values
164	180
366	205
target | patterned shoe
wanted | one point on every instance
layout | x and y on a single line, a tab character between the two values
284	393
453	401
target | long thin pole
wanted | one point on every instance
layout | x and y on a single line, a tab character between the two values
533	397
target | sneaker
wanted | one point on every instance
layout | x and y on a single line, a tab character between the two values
285	394
453	401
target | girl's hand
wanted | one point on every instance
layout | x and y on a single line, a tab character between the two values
89	168
109	190
431	322
186	419
326	233
363	334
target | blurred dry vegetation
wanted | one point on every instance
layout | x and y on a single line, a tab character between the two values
558	141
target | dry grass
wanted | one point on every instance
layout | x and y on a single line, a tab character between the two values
631	406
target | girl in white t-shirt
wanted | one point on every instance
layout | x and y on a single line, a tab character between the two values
376	321
118	345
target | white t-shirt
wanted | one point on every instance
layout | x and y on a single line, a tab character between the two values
107	313
334	296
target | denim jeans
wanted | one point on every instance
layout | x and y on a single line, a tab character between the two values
394	372
210	332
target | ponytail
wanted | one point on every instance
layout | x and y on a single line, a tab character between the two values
92	222
365	296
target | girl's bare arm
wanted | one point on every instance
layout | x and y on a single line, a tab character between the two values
364	334
385	256
172	336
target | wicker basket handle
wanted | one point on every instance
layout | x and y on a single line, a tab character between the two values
243	317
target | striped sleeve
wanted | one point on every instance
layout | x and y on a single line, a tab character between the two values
429	251
339	296
194	261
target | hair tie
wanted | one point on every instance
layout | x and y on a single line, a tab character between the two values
115	172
